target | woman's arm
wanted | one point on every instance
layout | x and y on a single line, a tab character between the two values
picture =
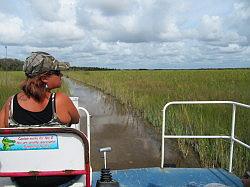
4	114
64	103
2	118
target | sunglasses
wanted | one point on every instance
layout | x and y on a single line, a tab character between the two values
56	72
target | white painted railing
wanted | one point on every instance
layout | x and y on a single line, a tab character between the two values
230	137
88	121
77	126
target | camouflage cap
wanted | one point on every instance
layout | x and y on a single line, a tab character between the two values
41	62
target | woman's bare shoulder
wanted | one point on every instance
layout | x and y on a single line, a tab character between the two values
62	97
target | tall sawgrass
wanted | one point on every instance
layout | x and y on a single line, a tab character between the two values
148	91
9	84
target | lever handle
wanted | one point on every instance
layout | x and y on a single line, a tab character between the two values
104	150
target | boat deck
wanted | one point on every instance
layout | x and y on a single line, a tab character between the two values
157	177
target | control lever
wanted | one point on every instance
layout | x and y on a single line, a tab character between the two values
104	150
106	177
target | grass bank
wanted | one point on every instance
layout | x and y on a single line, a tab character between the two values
148	91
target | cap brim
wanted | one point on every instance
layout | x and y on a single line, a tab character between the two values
63	66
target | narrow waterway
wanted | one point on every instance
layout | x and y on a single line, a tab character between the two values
134	144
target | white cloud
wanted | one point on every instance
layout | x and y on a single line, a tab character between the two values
45	9
131	33
55	34
211	28
53	11
11	29
242	10
111	7
231	48
146	21
170	32
239	20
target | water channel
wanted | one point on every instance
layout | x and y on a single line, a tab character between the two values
134	143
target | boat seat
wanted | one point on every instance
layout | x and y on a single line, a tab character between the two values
44	152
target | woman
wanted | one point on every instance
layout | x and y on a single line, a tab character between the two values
35	105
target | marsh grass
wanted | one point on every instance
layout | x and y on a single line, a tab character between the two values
148	91
9	84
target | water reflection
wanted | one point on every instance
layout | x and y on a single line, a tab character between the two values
133	143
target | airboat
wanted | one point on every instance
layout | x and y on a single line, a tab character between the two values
60	156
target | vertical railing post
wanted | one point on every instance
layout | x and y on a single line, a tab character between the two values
162	137
88	136
232	140
88	122
76	102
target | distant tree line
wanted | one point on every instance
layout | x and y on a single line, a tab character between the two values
10	64
74	68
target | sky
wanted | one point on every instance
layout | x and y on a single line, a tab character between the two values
129	34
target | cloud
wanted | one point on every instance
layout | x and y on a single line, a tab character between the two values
130	33
242	10
57	33
239	19
231	48
112	7
48	24
170	32
46	9
52	11
145	22
211	28
11	30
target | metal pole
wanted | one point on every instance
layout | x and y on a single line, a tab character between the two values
6	65
105	150
162	138
232	139
6	51
105	159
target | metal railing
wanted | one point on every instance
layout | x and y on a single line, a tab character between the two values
231	137
77	126
88	121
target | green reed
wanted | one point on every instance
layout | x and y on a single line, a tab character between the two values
148	91
9	84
